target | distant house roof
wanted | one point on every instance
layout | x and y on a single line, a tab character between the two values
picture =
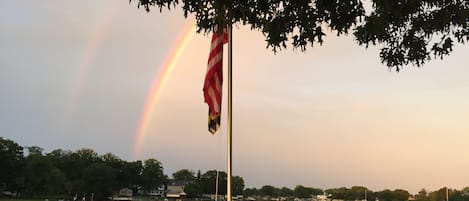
175	189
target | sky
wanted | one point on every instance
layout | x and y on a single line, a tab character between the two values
80	74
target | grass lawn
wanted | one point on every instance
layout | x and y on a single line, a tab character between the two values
30	199
19	199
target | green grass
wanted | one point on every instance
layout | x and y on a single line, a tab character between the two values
20	199
51	198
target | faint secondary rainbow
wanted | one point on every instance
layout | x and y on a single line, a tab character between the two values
97	33
160	80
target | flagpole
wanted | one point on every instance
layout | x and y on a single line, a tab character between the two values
216	188
447	194
230	119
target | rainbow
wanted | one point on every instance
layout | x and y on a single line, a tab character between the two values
160	80
96	37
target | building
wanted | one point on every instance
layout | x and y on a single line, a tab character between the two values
175	189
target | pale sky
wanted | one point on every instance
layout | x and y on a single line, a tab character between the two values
77	74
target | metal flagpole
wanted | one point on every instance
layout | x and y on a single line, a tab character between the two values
447	194
216	188
230	119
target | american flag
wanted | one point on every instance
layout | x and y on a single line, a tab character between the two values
214	79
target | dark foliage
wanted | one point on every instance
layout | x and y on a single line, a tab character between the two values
408	31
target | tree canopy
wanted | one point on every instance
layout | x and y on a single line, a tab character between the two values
188	176
407	31
11	158
84	173
60	174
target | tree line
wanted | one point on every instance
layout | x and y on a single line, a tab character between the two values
30	172
356	193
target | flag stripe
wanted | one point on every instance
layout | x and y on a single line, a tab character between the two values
213	80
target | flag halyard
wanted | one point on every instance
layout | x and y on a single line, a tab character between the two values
214	79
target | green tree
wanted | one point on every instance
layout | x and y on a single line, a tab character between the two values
462	195
386	195
439	195
284	191
193	190
41	177
337	193
11	158
355	193
116	164
396	195
455	195
465	191
401	195
131	175
80	160
208	183
34	150
188	176
99	180
209	179
305	192
408	32
237	185
198	176
86	157
59	158
251	192
111	160
152	174
268	190
316	191
71	165
422	196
